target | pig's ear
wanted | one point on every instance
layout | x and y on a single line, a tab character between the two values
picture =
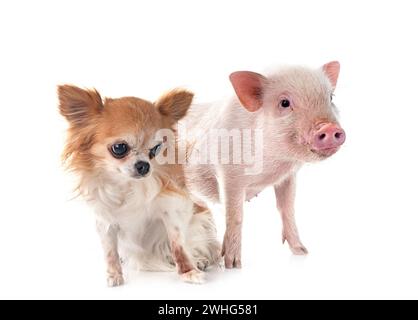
77	105
332	70
249	87
175	104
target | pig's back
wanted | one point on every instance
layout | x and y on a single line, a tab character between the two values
201	117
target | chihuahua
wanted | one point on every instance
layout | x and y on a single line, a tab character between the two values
144	215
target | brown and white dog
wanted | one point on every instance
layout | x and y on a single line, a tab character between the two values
143	213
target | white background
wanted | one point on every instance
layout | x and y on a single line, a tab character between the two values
357	212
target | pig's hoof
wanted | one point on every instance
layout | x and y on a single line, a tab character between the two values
115	280
193	276
232	262
299	250
295	245
232	255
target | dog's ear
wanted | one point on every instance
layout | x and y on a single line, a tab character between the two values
77	105
175	104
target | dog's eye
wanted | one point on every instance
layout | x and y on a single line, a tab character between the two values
285	103
119	150
154	151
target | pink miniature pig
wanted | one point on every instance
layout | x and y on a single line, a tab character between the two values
293	121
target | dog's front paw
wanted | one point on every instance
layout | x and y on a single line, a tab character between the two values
231	250
202	263
115	280
193	276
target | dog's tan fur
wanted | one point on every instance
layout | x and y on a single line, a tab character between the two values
149	220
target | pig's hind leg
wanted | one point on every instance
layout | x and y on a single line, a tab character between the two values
285	197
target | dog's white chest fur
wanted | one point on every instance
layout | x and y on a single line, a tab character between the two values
135	208
121	203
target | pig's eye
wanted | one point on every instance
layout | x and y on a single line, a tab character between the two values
331	96
285	103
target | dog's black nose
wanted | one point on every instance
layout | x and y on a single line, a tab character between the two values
142	167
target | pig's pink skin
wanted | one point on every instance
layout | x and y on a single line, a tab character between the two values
287	134
327	138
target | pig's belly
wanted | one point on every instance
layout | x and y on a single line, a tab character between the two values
268	179
253	192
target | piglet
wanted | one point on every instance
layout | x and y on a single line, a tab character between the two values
290	119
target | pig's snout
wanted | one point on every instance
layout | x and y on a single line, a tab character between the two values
328	138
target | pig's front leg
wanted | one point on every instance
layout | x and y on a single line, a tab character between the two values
234	206
109	239
285	198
